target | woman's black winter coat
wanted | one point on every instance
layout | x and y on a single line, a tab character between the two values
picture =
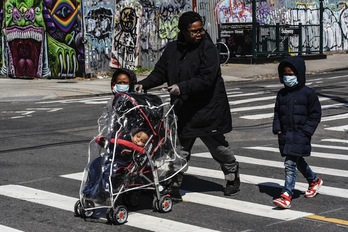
203	107
297	112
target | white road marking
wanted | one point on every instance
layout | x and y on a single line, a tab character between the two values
276	164
261	180
335	140
343	128
313	154
67	203
8	229
242	206
334	117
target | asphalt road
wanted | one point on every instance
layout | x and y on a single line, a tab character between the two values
44	150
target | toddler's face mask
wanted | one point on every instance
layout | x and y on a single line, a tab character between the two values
120	88
290	81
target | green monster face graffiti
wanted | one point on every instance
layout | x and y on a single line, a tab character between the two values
24	31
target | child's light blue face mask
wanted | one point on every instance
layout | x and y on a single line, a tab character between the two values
120	88
290	81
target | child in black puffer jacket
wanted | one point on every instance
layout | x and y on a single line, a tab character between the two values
297	114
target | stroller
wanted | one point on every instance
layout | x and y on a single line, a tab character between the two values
136	149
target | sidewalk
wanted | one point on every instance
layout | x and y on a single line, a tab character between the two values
44	89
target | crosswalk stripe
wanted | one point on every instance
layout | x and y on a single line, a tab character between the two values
330	147
334	106
271	106
276	164
242	206
226	203
258	116
249	179
313	154
241	94
260	180
8	229
338	128
237	102
335	117
323	119
155	223
161	224
335	140
67	203
38	196
249	108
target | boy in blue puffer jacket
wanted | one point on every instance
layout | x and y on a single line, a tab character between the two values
297	114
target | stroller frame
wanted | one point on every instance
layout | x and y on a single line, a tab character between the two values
117	208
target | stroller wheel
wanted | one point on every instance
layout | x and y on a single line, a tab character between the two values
120	215
132	199
155	204
87	213
77	209
165	204
109	213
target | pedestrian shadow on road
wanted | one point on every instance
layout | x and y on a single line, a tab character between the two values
274	190
196	184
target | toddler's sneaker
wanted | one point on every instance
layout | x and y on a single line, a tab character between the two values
284	201
313	188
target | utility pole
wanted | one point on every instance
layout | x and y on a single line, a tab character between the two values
253	29
321	29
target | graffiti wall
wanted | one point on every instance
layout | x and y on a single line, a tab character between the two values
98	23
71	38
125	52
159	26
142	29
41	39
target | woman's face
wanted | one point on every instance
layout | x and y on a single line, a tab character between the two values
195	32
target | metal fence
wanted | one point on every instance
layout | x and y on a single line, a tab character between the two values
270	40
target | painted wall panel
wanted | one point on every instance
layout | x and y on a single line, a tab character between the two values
41	39
98	24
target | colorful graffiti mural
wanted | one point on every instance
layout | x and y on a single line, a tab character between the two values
98	25
125	43
41	39
70	38
158	27
142	30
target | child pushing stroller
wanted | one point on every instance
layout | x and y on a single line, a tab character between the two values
136	149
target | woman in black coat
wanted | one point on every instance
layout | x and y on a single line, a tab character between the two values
297	114
191	68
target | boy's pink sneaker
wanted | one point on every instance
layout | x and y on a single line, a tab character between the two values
313	188
284	201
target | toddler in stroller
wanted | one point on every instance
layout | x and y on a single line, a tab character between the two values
137	148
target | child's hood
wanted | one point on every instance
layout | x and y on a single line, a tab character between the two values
297	64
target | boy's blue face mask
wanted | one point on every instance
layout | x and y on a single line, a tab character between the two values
120	88
290	81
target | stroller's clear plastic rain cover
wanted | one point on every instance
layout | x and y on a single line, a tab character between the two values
134	130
